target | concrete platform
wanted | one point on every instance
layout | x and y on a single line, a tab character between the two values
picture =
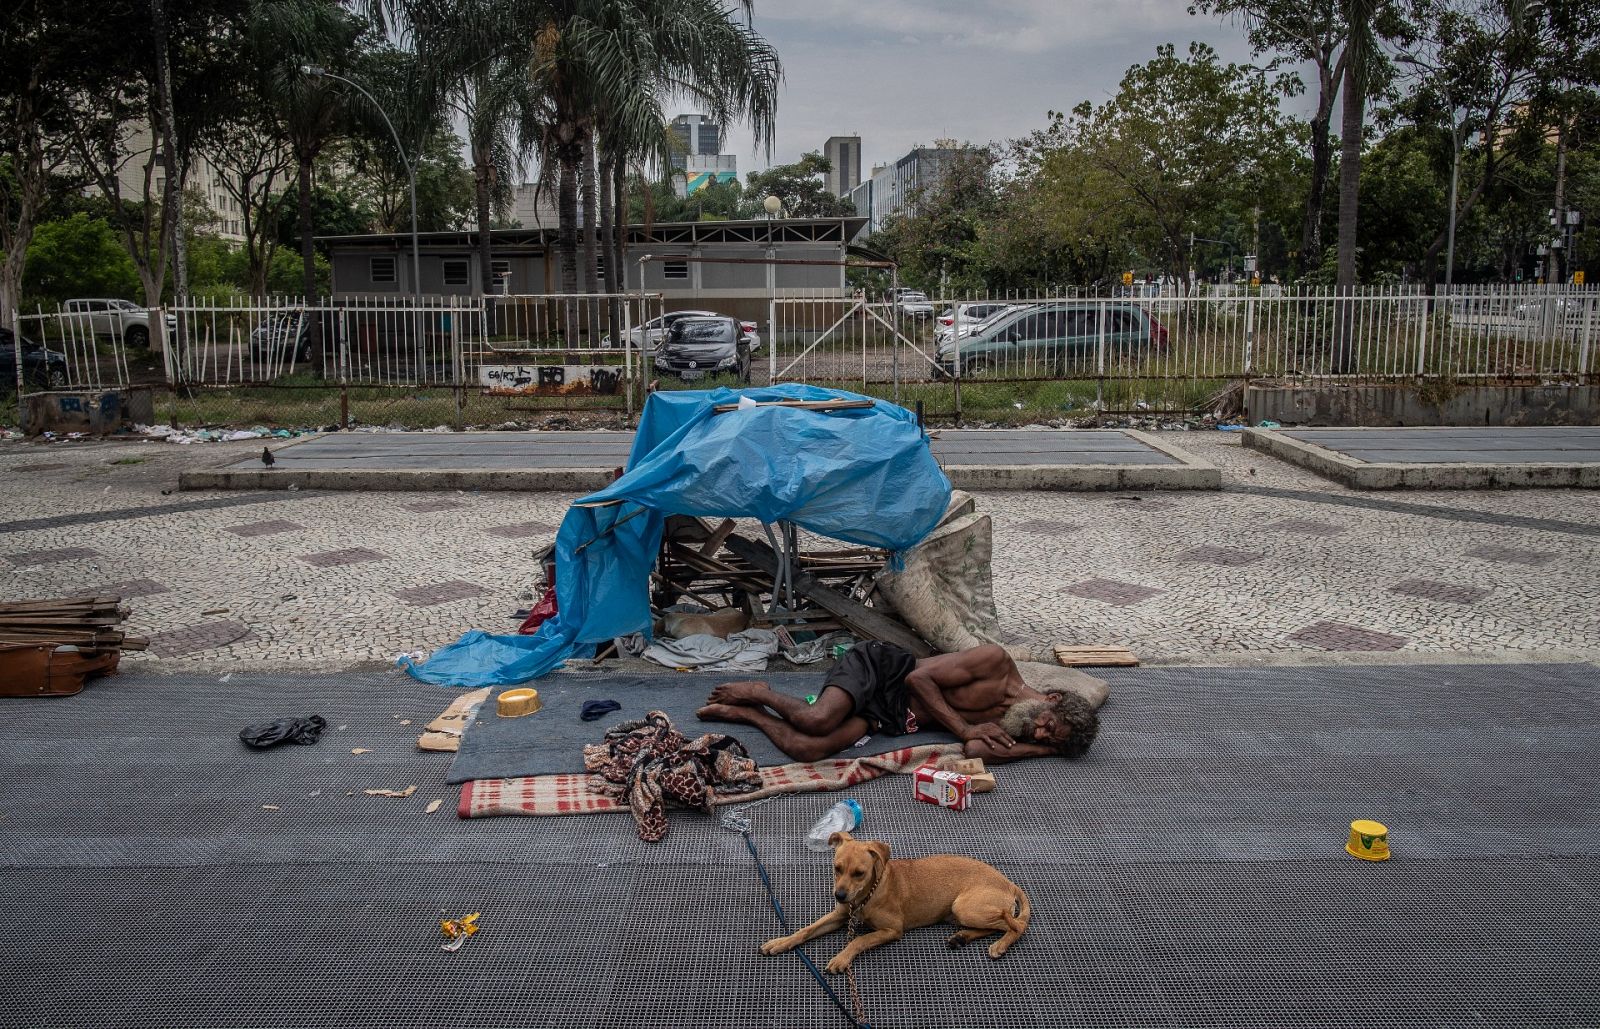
1442	458
1101	459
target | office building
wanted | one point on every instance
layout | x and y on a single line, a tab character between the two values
697	135
893	188
844	153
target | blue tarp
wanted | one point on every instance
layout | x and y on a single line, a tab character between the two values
865	476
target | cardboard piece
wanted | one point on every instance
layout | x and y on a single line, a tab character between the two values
444	732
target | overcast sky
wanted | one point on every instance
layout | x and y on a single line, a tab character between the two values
899	73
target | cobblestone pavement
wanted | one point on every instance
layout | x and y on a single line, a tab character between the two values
1279	562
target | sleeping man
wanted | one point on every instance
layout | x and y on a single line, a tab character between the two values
880	689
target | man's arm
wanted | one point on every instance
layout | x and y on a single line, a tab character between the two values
1000	755
929	689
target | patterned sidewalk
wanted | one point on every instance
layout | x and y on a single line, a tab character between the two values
1279	562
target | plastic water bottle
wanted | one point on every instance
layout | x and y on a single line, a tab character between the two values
842	817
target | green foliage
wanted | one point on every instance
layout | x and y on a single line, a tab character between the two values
801	188
78	256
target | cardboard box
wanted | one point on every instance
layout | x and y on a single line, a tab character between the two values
946	789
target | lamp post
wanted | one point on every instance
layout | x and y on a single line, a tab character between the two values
316	71
1455	170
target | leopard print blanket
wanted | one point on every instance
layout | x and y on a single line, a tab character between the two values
651	765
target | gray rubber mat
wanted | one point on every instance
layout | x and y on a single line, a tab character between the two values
552	739
1189	871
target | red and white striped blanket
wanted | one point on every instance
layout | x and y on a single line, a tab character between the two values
569	794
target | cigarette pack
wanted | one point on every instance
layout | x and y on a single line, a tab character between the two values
946	789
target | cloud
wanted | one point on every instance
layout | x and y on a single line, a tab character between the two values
905	72
1012	26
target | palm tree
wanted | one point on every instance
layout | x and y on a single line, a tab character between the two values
288	34
494	99
620	60
1358	18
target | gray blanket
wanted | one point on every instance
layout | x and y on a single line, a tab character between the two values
552	739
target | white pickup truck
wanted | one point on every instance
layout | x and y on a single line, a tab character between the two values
116	319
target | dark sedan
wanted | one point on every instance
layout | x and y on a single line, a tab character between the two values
46	369
697	347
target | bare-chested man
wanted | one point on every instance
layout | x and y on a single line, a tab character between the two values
879	688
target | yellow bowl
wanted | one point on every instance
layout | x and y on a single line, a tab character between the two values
1369	840
515	703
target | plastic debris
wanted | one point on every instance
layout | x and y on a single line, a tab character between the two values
436	805
271	807
285	730
1268	423
360	750
456	930
408	791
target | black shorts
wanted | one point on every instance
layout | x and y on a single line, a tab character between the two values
874	674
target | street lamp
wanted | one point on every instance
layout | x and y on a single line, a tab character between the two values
773	206
316	71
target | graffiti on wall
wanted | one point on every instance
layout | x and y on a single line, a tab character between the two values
563	379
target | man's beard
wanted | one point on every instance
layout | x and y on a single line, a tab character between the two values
1019	718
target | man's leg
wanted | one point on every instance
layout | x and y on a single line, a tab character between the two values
833	707
799	745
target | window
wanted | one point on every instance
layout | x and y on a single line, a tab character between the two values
455	271
675	269
600	267
1083	323
382	269
500	268
1124	321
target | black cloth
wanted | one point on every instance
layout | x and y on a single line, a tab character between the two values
874	674
594	710
285	730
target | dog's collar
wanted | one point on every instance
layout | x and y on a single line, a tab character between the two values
855	909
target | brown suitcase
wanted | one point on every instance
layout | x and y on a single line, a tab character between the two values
49	670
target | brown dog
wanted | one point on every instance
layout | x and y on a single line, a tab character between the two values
893	896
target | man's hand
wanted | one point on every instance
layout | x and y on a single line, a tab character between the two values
989	733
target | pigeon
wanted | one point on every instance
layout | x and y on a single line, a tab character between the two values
267	458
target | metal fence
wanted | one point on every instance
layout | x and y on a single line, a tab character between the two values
420	362
1138	351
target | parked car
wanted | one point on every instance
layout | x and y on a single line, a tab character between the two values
1054	337
284	336
912	302
117	319
648	336
973	317
46	369
697	347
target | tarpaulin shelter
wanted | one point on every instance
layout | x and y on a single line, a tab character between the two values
863	475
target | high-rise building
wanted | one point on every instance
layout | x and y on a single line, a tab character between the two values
844	153
893	188
698	136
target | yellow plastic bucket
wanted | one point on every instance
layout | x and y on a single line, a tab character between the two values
513	703
1369	840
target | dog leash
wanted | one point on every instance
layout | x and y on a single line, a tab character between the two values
737	821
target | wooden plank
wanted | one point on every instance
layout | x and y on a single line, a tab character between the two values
800	405
1095	657
722	532
862	620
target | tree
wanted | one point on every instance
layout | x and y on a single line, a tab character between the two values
78	256
1181	140
45	65
617	60
801	188
933	237
1312	32
305	113
140	124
